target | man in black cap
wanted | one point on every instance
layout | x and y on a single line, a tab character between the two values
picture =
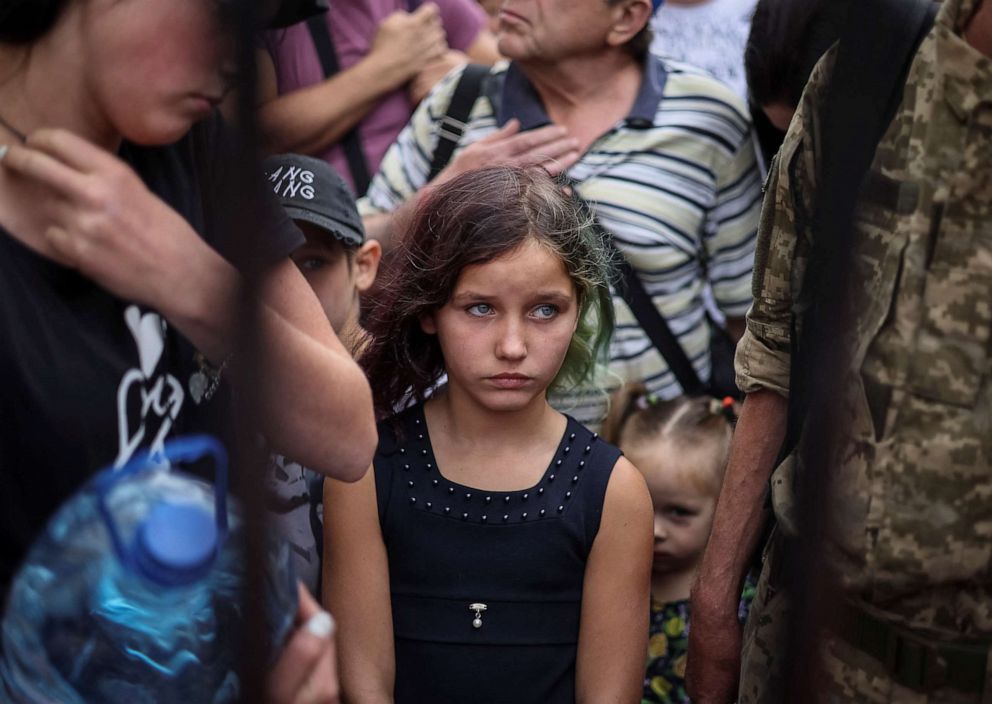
340	264
337	260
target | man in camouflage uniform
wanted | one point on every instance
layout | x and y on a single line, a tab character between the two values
910	514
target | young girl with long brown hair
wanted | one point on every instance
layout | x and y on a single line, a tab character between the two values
500	551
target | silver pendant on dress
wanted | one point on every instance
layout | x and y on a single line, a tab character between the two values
478	609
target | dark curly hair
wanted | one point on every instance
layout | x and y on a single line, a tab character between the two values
472	219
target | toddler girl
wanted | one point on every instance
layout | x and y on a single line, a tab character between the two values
499	552
681	448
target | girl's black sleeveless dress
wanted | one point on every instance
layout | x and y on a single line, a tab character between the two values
487	586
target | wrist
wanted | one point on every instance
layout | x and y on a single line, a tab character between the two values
380	67
714	608
204	307
717	595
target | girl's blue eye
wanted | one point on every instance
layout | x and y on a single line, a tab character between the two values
546	311
480	309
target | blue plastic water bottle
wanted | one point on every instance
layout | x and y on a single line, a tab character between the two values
133	592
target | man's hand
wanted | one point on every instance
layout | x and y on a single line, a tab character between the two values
548	146
429	76
714	661
306	672
407	42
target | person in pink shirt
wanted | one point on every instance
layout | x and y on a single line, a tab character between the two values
390	55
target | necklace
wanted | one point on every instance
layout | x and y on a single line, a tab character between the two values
13	130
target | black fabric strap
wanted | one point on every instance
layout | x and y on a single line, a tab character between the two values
876	50
452	125
655	326
652	322
351	142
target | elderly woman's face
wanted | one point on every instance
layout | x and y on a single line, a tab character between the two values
156	66
550	30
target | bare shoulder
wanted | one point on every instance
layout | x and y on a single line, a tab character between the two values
627	497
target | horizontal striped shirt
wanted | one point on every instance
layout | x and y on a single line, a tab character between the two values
675	182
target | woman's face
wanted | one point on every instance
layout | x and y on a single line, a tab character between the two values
506	328
155	66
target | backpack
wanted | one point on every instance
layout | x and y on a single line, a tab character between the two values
875	52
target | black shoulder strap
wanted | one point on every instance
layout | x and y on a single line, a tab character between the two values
652	322
452	125
655	326
877	47
351	143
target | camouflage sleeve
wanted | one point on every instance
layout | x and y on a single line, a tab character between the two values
763	355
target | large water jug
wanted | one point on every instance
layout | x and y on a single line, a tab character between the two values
133	593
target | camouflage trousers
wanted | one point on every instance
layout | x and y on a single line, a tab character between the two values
848	675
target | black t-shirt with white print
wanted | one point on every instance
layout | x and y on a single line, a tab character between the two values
87	378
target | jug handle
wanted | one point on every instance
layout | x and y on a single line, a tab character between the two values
178	451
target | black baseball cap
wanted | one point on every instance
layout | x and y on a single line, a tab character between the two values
311	190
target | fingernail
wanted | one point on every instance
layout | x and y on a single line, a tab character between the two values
3	151
320	625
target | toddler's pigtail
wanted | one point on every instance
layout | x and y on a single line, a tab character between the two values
725	407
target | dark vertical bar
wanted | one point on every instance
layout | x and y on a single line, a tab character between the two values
239	211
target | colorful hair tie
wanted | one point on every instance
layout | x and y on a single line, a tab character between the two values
646	401
727	408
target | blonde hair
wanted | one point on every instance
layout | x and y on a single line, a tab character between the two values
701	425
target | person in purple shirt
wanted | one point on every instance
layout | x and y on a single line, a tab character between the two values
390	55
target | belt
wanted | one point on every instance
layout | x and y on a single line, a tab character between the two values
914	661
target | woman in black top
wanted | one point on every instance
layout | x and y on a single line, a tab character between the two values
113	278
501	552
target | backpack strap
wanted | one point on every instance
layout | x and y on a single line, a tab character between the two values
877	47
655	326
452	125
652	322
351	142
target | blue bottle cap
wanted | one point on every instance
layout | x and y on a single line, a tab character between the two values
175	544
